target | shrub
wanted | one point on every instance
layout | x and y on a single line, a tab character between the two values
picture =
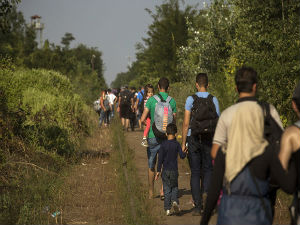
41	123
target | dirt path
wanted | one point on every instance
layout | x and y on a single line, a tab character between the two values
90	192
133	140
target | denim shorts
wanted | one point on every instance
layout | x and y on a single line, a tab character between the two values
152	151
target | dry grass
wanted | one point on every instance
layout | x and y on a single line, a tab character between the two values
282	214
90	189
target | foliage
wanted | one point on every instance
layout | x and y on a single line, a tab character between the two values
219	39
66	40
156	57
253	33
42	121
82	65
5	8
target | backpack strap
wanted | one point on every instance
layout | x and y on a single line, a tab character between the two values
210	97
266	109
169	98
157	98
161	99
195	97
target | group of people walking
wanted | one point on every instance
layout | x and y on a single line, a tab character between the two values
238	158
105	106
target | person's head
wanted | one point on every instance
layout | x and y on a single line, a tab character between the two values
163	84
296	100
149	90
171	129
246	80
108	91
201	80
132	89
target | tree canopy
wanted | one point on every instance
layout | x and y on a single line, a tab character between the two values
83	65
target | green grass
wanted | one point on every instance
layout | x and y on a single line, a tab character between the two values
128	185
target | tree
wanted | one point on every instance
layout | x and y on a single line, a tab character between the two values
67	39
261	34
6	6
156	56
30	44
167	32
11	40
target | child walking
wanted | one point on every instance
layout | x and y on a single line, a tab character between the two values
148	93
167	157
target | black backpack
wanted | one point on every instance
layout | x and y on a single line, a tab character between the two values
126	97
204	117
272	133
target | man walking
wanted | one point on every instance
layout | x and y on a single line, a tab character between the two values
200	108
246	82
244	164
153	142
124	106
138	104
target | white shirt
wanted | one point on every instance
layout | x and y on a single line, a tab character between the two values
111	98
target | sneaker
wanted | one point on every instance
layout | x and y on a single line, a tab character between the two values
145	142
196	212
168	212
176	207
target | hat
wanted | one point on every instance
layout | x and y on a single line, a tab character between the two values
296	94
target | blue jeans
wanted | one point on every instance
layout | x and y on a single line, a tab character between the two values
200	162
170	184
102	117
152	151
112	113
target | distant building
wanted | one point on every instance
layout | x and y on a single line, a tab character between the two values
38	26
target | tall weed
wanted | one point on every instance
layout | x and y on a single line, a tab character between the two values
42	121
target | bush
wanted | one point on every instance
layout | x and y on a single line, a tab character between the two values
53	116
42	122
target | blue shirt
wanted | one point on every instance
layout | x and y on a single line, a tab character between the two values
140	96
168	154
190	100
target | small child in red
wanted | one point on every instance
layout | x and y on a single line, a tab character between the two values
148	93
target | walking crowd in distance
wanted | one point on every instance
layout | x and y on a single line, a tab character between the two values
238	158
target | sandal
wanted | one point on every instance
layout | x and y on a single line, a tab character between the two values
162	197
